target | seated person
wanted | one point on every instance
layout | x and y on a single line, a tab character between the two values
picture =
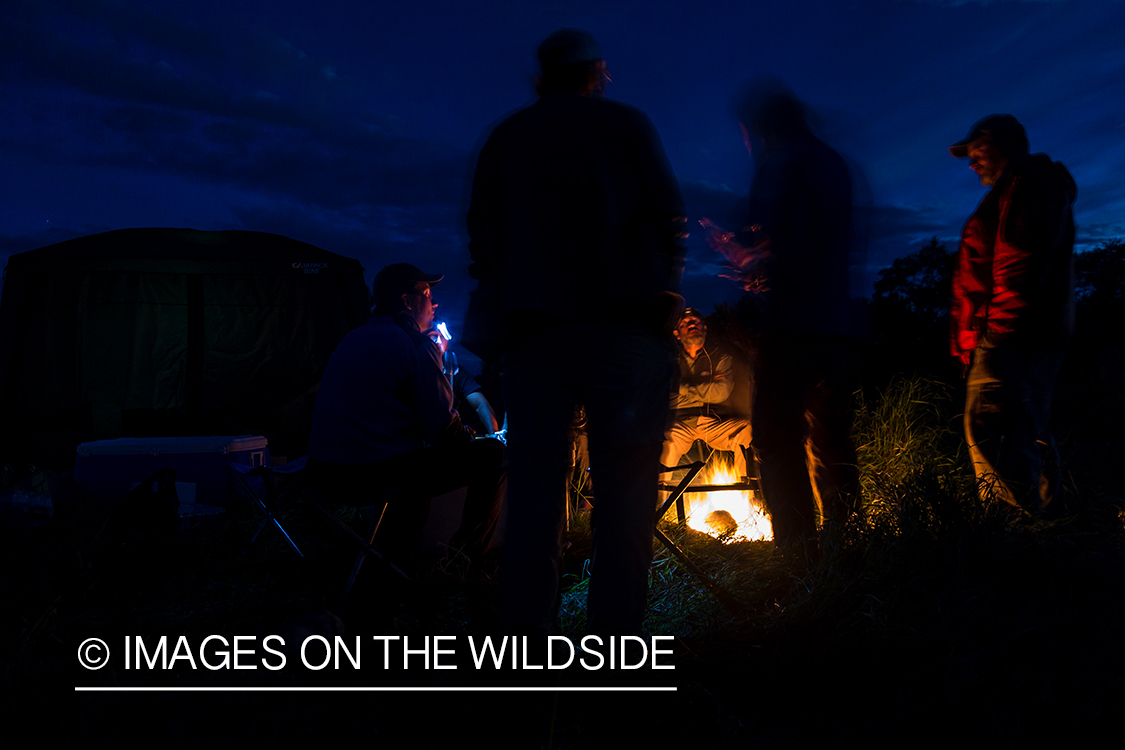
706	382
384	417
466	389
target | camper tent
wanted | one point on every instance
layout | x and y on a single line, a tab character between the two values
150	332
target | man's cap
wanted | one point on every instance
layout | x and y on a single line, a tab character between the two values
567	47
692	312
398	279
999	126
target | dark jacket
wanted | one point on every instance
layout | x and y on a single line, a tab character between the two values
801	197
1013	282
575	213
383	394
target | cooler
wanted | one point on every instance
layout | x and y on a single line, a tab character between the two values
107	469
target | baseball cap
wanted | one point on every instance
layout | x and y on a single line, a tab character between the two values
567	47
398	279
999	126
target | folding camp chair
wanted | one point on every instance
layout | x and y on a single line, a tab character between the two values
269	487
677	491
752	483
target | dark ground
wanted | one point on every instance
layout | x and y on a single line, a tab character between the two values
975	634
931	623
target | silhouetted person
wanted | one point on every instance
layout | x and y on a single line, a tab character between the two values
1013	309
575	229
796	263
384	418
699	406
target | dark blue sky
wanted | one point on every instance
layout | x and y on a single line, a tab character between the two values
351	125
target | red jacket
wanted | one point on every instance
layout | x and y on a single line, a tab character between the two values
1014	277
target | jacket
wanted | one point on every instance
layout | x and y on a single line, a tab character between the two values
1013	281
801	197
705	385
383	393
575	214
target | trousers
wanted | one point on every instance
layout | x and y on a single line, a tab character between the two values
802	422
721	434
411	479
623	377
1008	394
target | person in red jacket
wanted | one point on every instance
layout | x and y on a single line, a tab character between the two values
1013	310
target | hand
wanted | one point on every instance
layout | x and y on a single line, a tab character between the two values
739	256
752	281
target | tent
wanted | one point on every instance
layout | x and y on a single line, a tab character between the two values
169	332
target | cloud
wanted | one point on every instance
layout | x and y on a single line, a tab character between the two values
235	106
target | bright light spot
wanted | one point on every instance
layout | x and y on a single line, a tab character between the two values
711	512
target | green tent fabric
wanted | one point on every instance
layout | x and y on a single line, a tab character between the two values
150	332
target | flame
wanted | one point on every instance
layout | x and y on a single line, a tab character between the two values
744	506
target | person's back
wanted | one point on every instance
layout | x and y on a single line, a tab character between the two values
362	412
802	198
572	193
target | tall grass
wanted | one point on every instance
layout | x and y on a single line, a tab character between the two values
913	463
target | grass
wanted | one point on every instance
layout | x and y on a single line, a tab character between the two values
924	615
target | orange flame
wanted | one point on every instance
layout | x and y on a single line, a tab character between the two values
705	509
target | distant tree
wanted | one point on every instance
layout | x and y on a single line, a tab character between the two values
1090	398
909	314
917	286
1100	275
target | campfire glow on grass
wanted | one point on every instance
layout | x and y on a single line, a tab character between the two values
718	512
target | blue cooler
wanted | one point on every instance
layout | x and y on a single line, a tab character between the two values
107	469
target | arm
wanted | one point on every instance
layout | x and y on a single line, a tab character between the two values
665	205
482	219
963	335
484	411
715	388
433	394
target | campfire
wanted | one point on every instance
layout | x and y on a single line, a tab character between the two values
737	514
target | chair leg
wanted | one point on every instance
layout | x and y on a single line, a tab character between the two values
373	529
267	507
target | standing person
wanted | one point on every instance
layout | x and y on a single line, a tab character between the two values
797	265
1013	309
575	230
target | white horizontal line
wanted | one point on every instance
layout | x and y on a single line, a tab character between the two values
521	688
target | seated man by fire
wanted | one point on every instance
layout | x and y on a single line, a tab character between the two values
700	408
384	418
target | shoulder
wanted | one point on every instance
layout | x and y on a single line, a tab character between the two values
377	331
1039	172
571	106
378	344
464	383
719	355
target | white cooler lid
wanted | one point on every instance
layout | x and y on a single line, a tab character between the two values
165	445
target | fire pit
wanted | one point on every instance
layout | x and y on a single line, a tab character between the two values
720	505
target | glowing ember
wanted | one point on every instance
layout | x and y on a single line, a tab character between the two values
737	512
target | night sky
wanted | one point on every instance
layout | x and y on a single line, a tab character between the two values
353	125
